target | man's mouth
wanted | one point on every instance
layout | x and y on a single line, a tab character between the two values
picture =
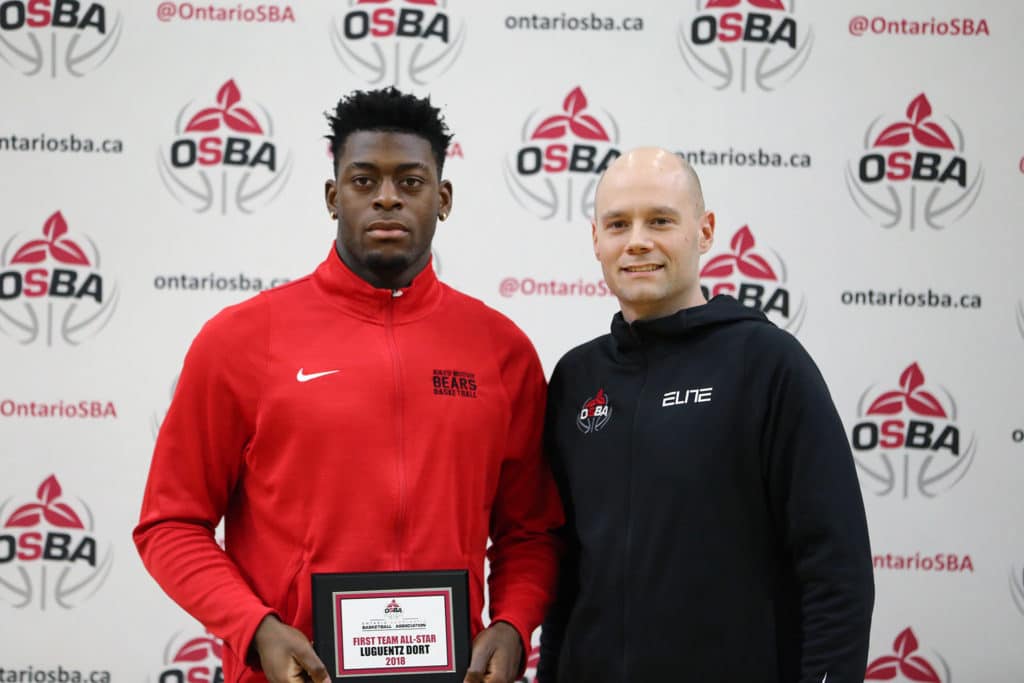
387	229
645	268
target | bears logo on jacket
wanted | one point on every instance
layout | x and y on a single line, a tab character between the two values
595	413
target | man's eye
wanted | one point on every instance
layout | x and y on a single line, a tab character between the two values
617	225
362	181
412	181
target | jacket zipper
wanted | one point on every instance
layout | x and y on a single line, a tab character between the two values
629	522
396	370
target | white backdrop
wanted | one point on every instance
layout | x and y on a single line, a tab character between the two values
111	259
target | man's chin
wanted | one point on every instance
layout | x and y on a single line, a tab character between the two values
639	293
387	263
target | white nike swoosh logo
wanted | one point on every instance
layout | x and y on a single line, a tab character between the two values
302	377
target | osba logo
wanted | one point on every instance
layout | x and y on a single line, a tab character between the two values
49	552
385	42
756	278
194	659
224	156
914	171
910	438
53	289
744	43
907	663
595	414
393	611
561	158
50	37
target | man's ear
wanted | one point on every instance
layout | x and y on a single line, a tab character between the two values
447	193
707	231
593	236
331	195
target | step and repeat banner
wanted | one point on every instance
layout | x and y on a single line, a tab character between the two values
161	160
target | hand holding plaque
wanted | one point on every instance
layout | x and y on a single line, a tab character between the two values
410	627
497	653
285	654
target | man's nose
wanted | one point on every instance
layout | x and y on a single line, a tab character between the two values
639	238
387	197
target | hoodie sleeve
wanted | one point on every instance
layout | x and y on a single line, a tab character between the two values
818	511
196	465
525	551
552	634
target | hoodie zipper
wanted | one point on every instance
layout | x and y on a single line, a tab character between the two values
629	521
396	370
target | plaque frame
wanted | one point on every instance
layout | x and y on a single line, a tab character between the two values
328	589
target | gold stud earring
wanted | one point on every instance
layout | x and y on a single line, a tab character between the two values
443	215
334	215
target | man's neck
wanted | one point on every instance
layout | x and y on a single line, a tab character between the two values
380	278
662	309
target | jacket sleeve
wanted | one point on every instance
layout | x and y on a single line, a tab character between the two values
525	550
196	465
552	633
819	515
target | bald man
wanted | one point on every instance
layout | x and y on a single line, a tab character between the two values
715	524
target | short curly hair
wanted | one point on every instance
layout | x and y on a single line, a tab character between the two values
388	109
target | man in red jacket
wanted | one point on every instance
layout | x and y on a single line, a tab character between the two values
363	418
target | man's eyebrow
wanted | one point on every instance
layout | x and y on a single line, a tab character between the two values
370	166
663	210
614	213
413	166
409	166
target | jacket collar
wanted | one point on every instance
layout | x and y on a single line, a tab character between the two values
358	298
687	323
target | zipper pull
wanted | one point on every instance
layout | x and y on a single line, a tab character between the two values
395	293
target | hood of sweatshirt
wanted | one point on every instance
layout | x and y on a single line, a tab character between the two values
688	322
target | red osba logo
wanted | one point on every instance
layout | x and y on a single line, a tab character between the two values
757	278
561	157
744	43
49	553
394	41
52	288
595	413
393	611
913	171
909	438
907	663
224	155
195	659
53	37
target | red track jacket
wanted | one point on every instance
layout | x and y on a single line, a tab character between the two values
342	428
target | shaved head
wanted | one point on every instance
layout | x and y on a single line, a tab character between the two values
650	228
656	161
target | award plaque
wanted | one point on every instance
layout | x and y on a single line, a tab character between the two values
399	627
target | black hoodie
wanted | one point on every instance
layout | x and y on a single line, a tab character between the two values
715	525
